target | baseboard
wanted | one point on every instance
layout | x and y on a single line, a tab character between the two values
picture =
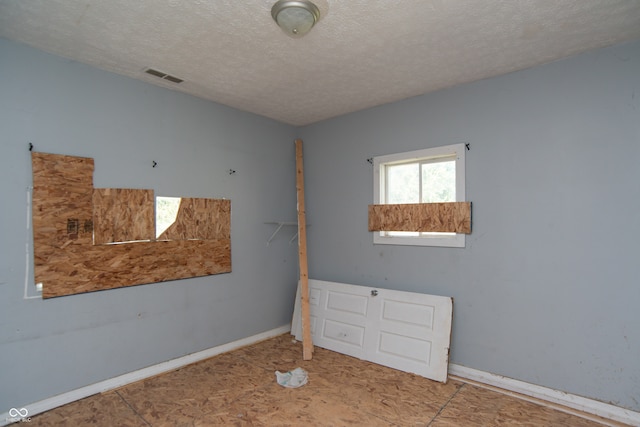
15	414
579	403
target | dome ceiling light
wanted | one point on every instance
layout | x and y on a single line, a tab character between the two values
296	18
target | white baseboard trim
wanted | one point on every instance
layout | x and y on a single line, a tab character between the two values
579	403
35	408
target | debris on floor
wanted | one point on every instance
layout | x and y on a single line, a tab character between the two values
292	379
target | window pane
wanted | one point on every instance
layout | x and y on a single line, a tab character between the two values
439	182
403	183
166	213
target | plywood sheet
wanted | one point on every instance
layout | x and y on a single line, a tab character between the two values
454	217
80	269
123	215
200	219
61	206
66	260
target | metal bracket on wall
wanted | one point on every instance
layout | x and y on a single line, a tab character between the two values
281	224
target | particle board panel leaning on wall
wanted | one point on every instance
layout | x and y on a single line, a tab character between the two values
67	261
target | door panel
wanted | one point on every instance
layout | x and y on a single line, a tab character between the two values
412	333
344	333
413	349
406	331
338	315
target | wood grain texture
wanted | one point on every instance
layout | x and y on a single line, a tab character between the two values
203	219
491	408
67	262
307	343
239	388
123	215
454	217
79	269
61	206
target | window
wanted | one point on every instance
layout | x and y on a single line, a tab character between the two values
425	176
166	213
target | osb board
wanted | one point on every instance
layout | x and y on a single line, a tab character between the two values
238	388
202	219
67	262
123	215
80	269
61	207
454	217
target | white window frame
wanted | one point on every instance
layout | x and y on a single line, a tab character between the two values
456	240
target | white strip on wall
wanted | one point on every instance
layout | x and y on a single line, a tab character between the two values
18	414
544	394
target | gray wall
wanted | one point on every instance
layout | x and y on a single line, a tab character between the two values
548	287
53	346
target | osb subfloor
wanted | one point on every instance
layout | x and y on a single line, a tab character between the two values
239	389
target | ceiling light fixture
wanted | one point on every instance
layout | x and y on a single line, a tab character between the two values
296	18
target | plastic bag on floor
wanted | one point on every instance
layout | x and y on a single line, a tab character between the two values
292	379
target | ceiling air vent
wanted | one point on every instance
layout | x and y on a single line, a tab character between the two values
162	75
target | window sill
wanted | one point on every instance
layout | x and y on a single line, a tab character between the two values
457	241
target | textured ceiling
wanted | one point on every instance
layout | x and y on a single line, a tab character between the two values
361	54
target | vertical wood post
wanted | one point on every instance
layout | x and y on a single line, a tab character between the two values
307	343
